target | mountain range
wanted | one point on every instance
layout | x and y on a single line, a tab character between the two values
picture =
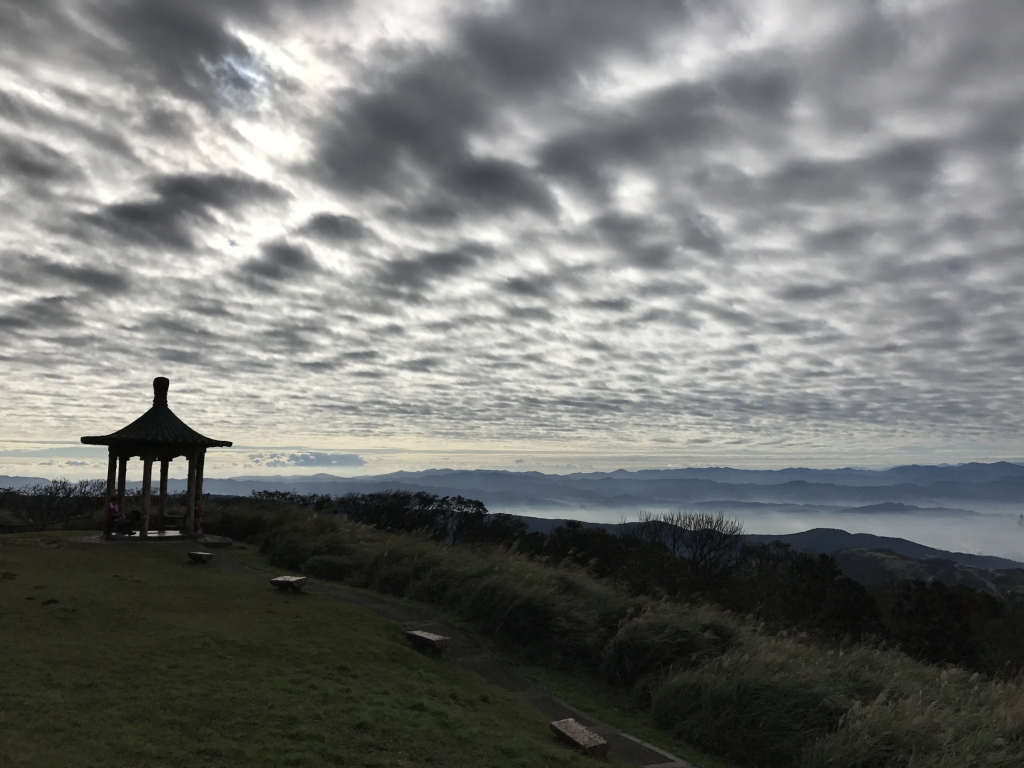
913	489
930	491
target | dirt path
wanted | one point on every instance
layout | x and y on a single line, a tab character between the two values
470	655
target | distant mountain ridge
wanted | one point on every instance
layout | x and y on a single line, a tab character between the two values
7	481
926	487
623	490
916	474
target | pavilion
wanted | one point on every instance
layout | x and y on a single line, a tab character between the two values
157	435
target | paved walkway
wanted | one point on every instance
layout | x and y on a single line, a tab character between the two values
470	655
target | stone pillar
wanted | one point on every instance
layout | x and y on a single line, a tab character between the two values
190	496
147	492
164	464
122	471
111	474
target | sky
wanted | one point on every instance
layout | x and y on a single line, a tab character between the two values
564	235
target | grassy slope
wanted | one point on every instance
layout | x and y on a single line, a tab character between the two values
584	692
147	660
731	689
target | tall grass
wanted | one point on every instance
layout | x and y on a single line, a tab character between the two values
714	679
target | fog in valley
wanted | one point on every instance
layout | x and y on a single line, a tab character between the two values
996	533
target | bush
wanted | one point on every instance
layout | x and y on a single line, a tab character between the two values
57	503
330	567
950	722
235	523
658	639
731	712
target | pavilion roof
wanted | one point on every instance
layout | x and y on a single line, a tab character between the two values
157	427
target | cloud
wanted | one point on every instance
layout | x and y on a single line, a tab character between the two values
532	223
178	204
48	313
417	126
537	285
535	44
279	262
900	170
40	271
306	459
188	47
812	292
410	277
61	452
334	227
34	161
498	184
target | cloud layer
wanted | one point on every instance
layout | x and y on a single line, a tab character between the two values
307	459
757	231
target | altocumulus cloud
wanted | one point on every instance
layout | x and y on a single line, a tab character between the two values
306	459
747	227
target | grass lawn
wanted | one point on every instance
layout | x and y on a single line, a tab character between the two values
127	655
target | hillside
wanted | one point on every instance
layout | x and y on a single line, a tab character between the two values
830	541
884	567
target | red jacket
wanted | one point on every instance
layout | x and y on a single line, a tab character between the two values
112	510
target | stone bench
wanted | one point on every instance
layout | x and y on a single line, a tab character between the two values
294	583
571	731
200	557
427	641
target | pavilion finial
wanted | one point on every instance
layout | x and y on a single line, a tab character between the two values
160	385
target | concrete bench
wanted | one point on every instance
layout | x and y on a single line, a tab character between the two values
200	557
427	641
294	583
571	731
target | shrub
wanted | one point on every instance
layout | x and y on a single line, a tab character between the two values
948	719
59	502
650	644
235	523
731	712
330	567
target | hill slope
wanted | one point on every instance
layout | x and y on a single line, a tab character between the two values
830	540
